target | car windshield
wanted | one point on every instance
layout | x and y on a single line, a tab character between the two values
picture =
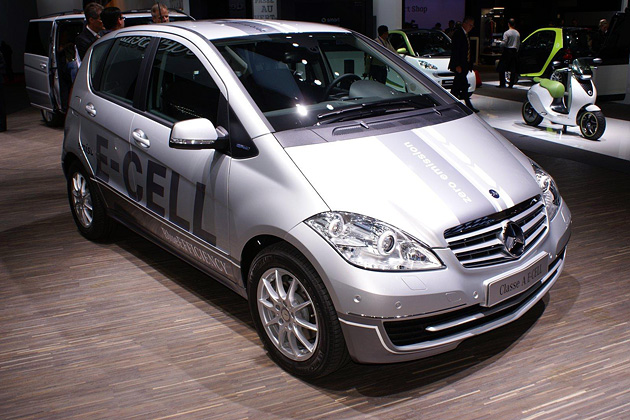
299	80
430	43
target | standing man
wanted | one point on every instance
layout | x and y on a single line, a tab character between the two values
112	19
509	59
93	26
461	61
600	36
378	69
159	13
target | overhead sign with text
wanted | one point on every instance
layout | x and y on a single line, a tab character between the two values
265	9
426	13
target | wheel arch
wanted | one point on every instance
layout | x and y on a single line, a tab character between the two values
68	160
251	249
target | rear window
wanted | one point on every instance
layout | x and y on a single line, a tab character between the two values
38	38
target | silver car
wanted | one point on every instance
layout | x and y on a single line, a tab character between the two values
378	222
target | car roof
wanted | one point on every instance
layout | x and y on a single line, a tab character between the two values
234	28
78	14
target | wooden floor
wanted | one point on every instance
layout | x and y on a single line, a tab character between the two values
125	330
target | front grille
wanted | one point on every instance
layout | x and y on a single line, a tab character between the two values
478	243
413	331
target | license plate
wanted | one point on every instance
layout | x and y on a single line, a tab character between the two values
502	289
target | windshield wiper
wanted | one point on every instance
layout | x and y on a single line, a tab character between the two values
370	109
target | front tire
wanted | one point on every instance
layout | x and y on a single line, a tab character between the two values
86	205
294	314
530	116
592	124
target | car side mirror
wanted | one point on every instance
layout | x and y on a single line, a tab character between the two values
402	51
198	133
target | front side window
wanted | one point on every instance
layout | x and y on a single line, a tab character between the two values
577	41
430	43
547	39
120	72
397	41
531	43
180	87
299	80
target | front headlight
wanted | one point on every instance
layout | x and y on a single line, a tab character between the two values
372	244
550	192
427	65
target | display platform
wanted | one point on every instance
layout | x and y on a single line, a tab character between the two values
613	148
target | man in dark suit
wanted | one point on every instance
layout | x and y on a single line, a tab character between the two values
461	61
93	26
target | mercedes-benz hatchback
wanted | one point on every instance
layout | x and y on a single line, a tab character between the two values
381	222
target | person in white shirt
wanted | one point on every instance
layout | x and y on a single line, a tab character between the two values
509	59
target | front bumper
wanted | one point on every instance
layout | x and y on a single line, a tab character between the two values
387	341
392	316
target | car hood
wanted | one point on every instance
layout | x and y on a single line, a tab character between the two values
423	180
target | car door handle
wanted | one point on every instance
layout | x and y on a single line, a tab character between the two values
140	138
90	109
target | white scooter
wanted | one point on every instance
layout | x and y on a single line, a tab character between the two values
568	98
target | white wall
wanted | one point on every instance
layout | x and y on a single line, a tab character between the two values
388	12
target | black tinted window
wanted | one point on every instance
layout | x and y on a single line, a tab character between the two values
180	87
120	73
430	43
38	37
577	41
99	53
397	41
547	39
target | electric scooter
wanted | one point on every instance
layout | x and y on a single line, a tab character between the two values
567	98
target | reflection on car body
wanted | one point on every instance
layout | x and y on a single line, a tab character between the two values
381	222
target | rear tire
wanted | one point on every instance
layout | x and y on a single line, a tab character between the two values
508	81
52	119
592	124
294	314
530	116
87	206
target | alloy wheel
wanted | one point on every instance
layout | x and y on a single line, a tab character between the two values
82	200
288	314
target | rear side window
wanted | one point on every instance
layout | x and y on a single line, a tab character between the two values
97	59
38	37
120	72
180	87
